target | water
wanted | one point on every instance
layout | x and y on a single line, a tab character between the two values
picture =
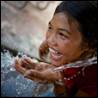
13	84
82	63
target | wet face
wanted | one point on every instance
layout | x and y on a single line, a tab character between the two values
64	40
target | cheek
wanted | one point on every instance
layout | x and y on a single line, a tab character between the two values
69	48
64	46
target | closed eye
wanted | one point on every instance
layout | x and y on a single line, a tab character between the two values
63	36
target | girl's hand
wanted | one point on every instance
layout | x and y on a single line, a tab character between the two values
18	66
36	71
47	75
26	63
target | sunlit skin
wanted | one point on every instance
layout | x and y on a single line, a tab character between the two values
65	38
64	42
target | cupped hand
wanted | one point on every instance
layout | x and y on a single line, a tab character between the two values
39	71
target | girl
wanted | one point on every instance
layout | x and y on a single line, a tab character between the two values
71	36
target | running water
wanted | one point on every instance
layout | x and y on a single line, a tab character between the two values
82	63
13	84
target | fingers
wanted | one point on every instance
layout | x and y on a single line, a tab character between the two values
29	63
18	66
35	76
48	74
29	60
34	73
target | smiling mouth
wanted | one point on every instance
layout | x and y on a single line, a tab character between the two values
55	54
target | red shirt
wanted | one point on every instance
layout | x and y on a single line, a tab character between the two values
81	79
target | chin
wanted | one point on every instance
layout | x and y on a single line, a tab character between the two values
59	63
55	63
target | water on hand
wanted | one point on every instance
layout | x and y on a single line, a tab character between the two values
14	84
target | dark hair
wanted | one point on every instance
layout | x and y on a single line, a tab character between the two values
85	12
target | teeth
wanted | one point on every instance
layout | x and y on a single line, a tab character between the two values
52	50
55	54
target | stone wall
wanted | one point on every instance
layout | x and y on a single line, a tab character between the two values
24	23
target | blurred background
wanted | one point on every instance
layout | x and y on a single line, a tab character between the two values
23	28
24	24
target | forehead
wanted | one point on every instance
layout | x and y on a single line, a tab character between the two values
60	16
60	20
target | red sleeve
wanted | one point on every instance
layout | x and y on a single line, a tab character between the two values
86	82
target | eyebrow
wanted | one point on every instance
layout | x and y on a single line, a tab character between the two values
61	29
65	30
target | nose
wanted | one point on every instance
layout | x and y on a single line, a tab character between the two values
52	40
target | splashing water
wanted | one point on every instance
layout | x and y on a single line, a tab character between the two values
14	84
82	63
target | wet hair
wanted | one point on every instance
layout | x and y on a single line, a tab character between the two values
85	13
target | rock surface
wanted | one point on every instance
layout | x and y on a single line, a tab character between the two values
23	24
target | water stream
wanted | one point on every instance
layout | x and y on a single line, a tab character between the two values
13	84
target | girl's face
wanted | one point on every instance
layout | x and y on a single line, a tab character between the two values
64	40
